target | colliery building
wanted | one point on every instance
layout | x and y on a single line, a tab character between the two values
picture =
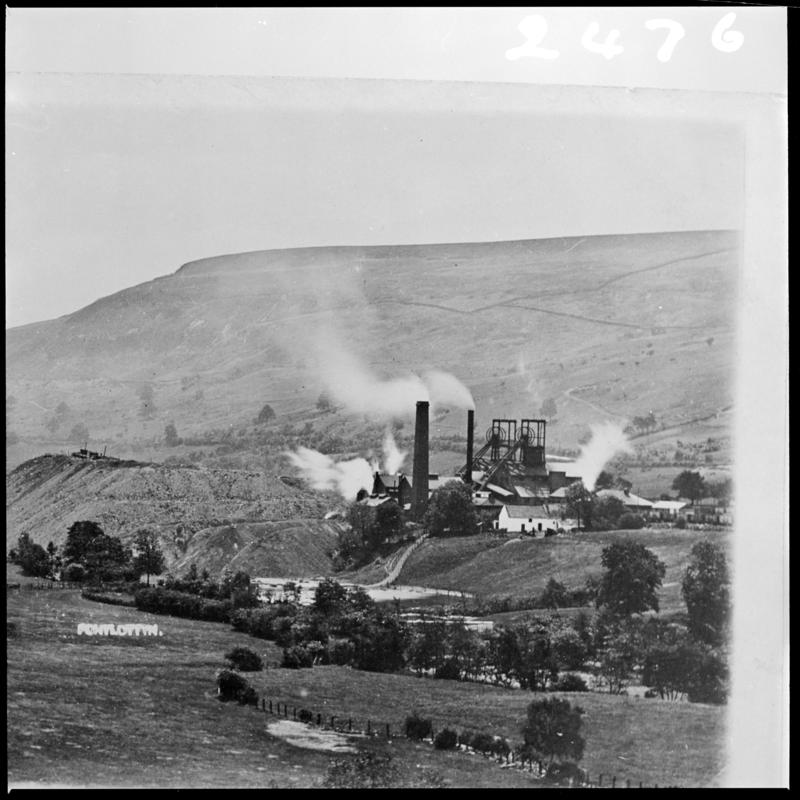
509	475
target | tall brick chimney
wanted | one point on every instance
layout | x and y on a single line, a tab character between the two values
419	497
470	427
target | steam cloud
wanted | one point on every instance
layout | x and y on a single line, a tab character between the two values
607	440
322	472
393	457
354	386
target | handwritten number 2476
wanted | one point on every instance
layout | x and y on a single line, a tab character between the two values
534	28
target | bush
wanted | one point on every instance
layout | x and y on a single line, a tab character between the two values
417	728
630	522
445	739
341	652
565	772
182	604
304	715
449	671
570	682
482	742
680	523
73	573
230	685
248	697
245	660
297	657
500	747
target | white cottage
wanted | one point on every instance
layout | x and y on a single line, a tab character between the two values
535	520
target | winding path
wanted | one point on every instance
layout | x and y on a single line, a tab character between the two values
397	567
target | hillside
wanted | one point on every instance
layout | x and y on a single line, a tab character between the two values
214	518
608	326
516	567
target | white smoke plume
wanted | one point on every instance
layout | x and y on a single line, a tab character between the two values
393	457
322	472
607	440
353	385
524	372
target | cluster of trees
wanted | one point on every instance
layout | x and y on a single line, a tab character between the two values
341	627
693	485
645	423
89	554
370	529
197	596
598	513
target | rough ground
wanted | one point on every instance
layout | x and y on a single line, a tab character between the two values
214	518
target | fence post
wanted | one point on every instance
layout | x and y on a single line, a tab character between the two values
285	710
369	728
333	719
600	780
627	783
263	704
388	736
319	719
640	784
270	706
349	724
294	712
614	782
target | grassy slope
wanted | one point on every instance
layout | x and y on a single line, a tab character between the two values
488	565
141	711
643	740
108	711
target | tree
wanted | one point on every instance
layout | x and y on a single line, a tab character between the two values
450	511
329	596
633	574
606	513
103	556
620	651
388	522
706	591
722	489
552	730
690	484
265	415
171	438
31	557
149	558
579	503
605	480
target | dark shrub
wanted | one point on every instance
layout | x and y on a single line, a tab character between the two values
651	693
297	657
73	573
245	660
570	682
417	728
11	630
565	772
465	738
230	685
341	652
630	522
304	715
680	523
248	697
482	742
448	671
500	747
445	739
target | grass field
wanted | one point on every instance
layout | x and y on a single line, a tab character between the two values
653	741
108	711
494	566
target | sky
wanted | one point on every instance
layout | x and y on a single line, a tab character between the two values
115	176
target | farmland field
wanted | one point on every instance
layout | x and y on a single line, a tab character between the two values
108	711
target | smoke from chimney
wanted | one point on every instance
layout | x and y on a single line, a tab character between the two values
393	457
607	440
419	501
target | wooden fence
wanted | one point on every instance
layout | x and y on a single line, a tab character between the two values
514	759
42	585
